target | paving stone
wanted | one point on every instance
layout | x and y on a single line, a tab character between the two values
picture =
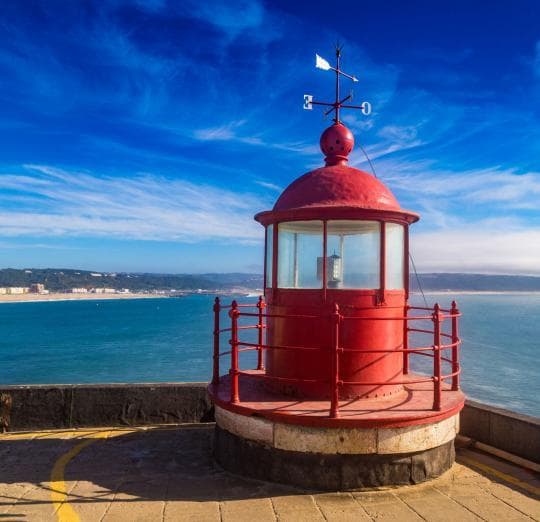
90	501
520	501
10	493
340	507
126	507
490	508
434	506
294	503
383	506
296	508
480	501
170	475
467	475
249	510
188	511
34	505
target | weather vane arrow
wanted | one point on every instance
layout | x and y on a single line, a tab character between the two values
321	63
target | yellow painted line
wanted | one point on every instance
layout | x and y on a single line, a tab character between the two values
59	494
88	436
64	511
501	475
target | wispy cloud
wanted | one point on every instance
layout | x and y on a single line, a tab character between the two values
496	185
146	207
467	220
227	132
232	17
481	247
271	186
232	132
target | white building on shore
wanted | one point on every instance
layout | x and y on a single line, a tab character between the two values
38	288
16	290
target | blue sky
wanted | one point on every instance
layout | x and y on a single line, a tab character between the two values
143	136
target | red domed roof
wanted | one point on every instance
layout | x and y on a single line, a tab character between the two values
336	189
337	186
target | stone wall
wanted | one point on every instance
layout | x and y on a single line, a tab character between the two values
72	406
502	429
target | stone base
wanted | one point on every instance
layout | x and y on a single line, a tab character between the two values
325	471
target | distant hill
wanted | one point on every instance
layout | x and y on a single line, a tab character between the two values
476	282
61	279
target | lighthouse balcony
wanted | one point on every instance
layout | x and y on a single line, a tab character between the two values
334	382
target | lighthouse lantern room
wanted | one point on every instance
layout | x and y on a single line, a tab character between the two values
336	339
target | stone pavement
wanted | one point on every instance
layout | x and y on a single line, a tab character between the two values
167	473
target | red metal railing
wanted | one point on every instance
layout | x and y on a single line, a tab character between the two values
436	315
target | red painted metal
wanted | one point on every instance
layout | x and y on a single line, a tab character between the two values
406	279
260	326
328	212
300	318
217	309
413	409
337	375
337	186
274	256
336	143
437	358
265	258
234	313
334	382
325	260
382	266
455	348
405	342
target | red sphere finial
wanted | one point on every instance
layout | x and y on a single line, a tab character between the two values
337	142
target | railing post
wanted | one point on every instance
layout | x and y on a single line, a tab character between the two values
260	361
233	314
217	309
334	378
455	348
406	341
437	358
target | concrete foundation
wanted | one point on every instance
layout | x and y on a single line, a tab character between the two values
333	458
330	472
343	441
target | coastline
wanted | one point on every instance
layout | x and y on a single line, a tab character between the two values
477	292
57	296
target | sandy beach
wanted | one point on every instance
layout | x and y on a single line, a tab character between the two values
23	298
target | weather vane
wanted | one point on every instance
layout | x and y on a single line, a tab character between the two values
321	63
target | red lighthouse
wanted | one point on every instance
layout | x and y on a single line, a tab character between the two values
333	382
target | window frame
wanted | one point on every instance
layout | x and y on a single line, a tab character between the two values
324	288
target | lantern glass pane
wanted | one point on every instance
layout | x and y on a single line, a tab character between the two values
353	254
300	244
269	254
394	256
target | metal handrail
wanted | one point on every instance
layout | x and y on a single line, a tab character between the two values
277	347
336	318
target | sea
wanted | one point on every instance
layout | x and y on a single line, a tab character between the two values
170	340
